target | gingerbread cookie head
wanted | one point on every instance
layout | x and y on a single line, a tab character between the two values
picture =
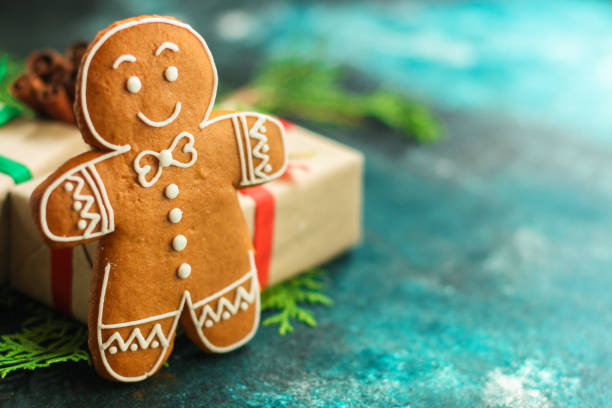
142	81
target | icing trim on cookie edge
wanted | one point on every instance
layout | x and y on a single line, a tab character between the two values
98	189
101	326
246	162
249	336
186	298
110	33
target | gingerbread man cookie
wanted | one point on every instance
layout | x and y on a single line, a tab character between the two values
158	190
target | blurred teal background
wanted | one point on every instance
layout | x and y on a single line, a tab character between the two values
547	60
484	278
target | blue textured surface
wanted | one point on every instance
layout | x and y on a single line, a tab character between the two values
484	275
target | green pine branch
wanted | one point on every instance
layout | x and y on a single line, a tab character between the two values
312	90
288	297
44	338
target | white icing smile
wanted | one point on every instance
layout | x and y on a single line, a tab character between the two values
147	121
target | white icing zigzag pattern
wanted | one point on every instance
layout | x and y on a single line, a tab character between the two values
88	174
261	148
154	340
225	308
252	174
86	202
93	224
156	337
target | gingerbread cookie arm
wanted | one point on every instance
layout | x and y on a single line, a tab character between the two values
260	144
72	205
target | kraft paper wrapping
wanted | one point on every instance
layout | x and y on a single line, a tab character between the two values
6	183
317	216
38	147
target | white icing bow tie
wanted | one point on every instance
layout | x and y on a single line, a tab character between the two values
164	159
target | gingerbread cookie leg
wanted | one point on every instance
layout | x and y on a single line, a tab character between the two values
227	319
131	351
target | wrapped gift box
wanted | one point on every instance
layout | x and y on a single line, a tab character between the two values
304	218
30	148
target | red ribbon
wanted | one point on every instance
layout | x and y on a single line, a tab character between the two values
286	124
264	229
61	279
289	174
264	224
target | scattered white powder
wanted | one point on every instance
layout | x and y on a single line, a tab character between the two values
527	387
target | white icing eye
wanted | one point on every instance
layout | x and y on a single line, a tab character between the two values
171	73
133	84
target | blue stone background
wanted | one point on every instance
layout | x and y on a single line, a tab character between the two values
484	276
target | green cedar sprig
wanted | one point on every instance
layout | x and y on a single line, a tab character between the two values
44	338
288	297
313	90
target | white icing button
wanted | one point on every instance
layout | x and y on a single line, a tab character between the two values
82	224
226	315
175	215
171	73
179	242
134	347
133	84
77	205
184	271
267	168
172	191
263	128
112	350
244	305
155	344
68	186
208	323
165	158
265	148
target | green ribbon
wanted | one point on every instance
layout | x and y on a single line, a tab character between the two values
17	171
7	113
